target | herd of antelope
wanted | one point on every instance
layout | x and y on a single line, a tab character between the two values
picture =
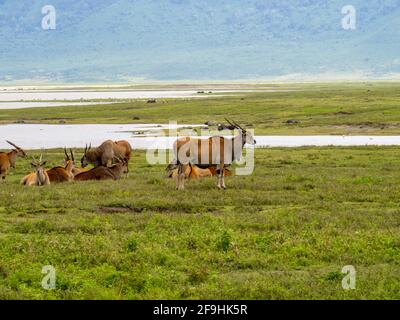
110	161
194	158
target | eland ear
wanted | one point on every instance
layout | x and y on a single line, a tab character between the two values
43	163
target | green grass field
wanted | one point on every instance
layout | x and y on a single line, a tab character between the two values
284	232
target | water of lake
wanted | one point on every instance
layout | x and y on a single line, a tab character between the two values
25	105
89	95
60	95
37	136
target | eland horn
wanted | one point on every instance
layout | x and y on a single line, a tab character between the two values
14	145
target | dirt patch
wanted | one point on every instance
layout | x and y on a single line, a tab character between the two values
343	113
153	209
119	210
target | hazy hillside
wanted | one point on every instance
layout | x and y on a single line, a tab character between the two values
115	40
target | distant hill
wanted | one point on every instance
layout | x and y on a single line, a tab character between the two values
120	40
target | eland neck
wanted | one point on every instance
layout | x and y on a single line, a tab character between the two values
40	177
12	157
237	146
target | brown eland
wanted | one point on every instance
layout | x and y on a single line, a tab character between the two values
104	154
8	159
105	173
195	172
214	151
63	174
39	177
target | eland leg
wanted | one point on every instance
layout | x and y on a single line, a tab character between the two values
181	177
3	174
223	178
177	179
220	177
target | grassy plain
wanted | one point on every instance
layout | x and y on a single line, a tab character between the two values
363	108
284	232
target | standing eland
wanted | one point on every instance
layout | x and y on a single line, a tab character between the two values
214	151
7	160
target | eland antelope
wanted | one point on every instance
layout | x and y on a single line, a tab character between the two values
39	177
104	154
56	174
195	172
105	173
8	159
75	169
63	174
214	151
